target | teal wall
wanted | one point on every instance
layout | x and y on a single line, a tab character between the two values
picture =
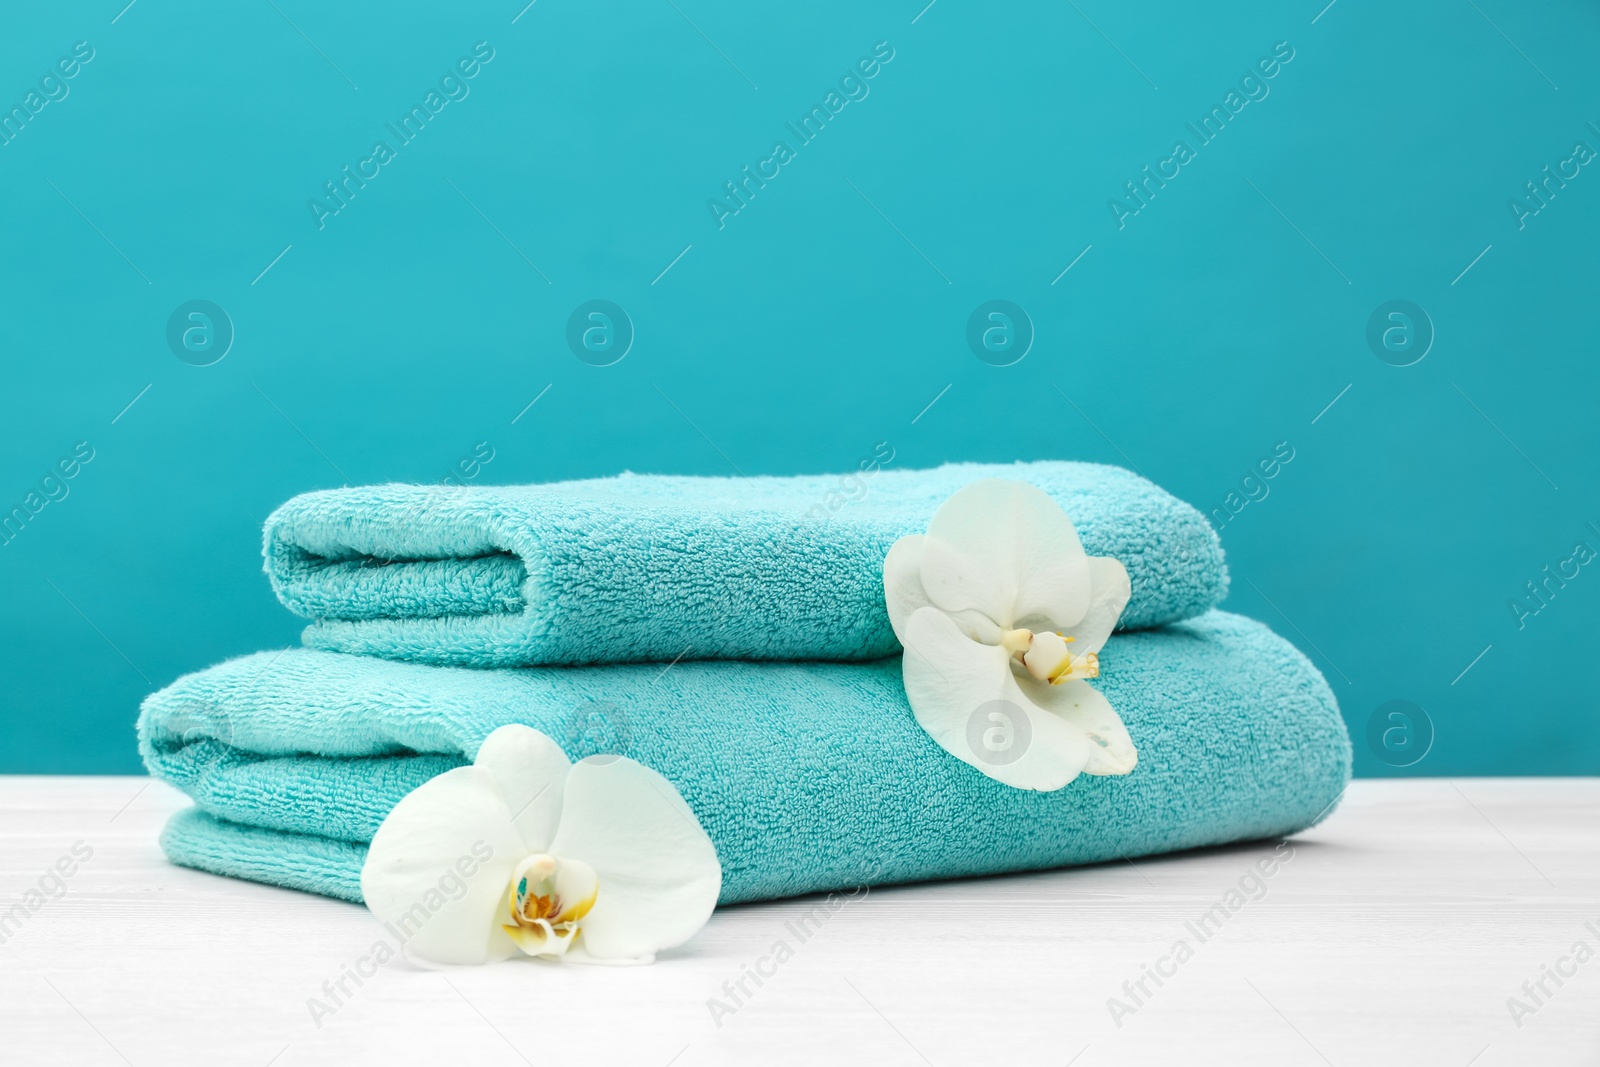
1193	338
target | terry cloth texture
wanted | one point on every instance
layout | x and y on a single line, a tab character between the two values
807	777
653	567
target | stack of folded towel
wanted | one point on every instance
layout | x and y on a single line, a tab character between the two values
731	634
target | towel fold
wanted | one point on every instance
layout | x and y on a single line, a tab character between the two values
651	567
807	777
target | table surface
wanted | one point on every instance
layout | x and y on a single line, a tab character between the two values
1399	931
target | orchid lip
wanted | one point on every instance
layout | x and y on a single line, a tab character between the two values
1049	665
548	899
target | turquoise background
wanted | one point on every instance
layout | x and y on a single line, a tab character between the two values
421	320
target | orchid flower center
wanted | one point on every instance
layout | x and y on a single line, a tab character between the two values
1047	656
547	901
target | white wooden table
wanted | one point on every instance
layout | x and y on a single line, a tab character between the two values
1394	933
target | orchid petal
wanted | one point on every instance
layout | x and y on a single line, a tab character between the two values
965	694
437	869
1109	594
904	594
902	582
530	771
1006	549
658	871
1087	709
578	954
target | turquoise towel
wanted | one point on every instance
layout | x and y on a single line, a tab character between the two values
807	777
651	567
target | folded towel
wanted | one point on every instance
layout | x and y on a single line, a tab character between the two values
807	777
650	567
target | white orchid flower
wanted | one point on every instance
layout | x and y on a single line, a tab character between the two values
1003	616
524	851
